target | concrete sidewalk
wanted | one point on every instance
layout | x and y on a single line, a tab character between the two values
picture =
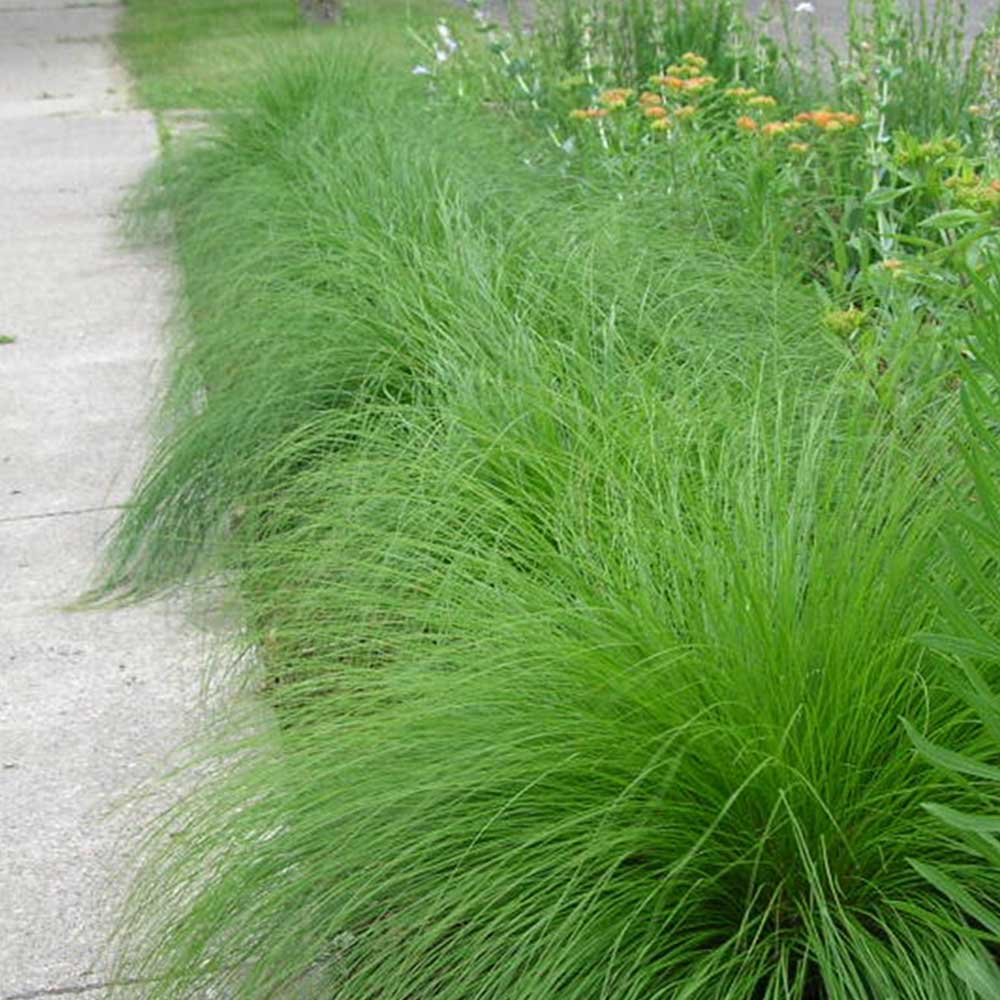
90	704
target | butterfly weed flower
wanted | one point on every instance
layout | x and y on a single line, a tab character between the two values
693	59
829	121
615	98
694	84
699	83
772	129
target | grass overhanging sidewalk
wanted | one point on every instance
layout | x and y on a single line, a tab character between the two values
584	561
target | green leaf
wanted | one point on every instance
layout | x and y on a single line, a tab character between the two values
958	895
952	218
969	822
979	972
917	242
884	195
948	759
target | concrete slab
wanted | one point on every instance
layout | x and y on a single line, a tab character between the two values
91	705
831	18
59	50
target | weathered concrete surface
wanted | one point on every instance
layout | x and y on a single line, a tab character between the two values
90	704
832	21
831	17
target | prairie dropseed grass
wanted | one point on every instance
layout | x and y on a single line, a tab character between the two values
581	546
583	579
591	686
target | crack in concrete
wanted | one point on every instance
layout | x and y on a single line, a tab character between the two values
64	991
45	10
17	518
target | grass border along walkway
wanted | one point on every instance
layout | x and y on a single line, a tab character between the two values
205	53
579	569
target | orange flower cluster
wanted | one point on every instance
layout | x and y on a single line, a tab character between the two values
691	65
741	93
616	98
687	75
585	113
694	84
829	121
772	129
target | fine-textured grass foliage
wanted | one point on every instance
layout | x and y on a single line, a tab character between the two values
200	53
327	266
207	54
583	572
589	689
973	542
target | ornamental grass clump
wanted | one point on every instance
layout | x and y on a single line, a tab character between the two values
582	576
969	639
593	689
317	255
335	245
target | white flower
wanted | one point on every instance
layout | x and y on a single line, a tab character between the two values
420	70
444	33
805	8
441	54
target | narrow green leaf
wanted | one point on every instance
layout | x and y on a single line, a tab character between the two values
884	195
978	972
964	821
949	760
958	895
952	218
